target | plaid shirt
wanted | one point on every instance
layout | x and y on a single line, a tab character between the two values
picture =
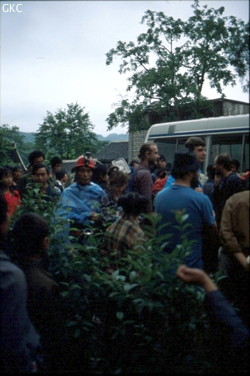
122	235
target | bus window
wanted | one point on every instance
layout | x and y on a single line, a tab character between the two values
181	143
229	144
167	148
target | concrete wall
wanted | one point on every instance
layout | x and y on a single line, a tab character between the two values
136	139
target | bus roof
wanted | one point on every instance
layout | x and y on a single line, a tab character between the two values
204	126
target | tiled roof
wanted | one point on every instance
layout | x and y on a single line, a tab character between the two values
68	164
114	150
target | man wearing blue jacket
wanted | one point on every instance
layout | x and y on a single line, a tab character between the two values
81	202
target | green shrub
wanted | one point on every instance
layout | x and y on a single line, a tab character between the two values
34	201
135	316
128	316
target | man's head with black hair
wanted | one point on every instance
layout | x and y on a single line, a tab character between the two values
40	173
35	157
37	166
6	177
56	164
161	162
198	146
223	162
235	165
185	162
60	174
133	203
29	232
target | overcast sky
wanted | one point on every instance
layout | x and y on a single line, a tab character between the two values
53	54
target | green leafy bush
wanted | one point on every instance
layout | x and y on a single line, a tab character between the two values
36	202
134	315
128	316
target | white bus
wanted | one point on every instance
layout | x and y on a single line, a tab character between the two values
225	134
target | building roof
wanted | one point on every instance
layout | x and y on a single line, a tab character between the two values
114	150
68	164
227	100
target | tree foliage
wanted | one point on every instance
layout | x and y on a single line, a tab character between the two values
171	61
9	136
67	133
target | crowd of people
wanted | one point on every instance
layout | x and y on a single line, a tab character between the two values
93	196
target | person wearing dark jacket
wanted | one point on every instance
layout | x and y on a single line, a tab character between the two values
226	186
45	306
19	341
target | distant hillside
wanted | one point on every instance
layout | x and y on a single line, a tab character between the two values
30	137
113	137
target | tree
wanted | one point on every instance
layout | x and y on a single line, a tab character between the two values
9	136
172	60
67	133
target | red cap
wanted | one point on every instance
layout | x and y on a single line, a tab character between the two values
84	161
